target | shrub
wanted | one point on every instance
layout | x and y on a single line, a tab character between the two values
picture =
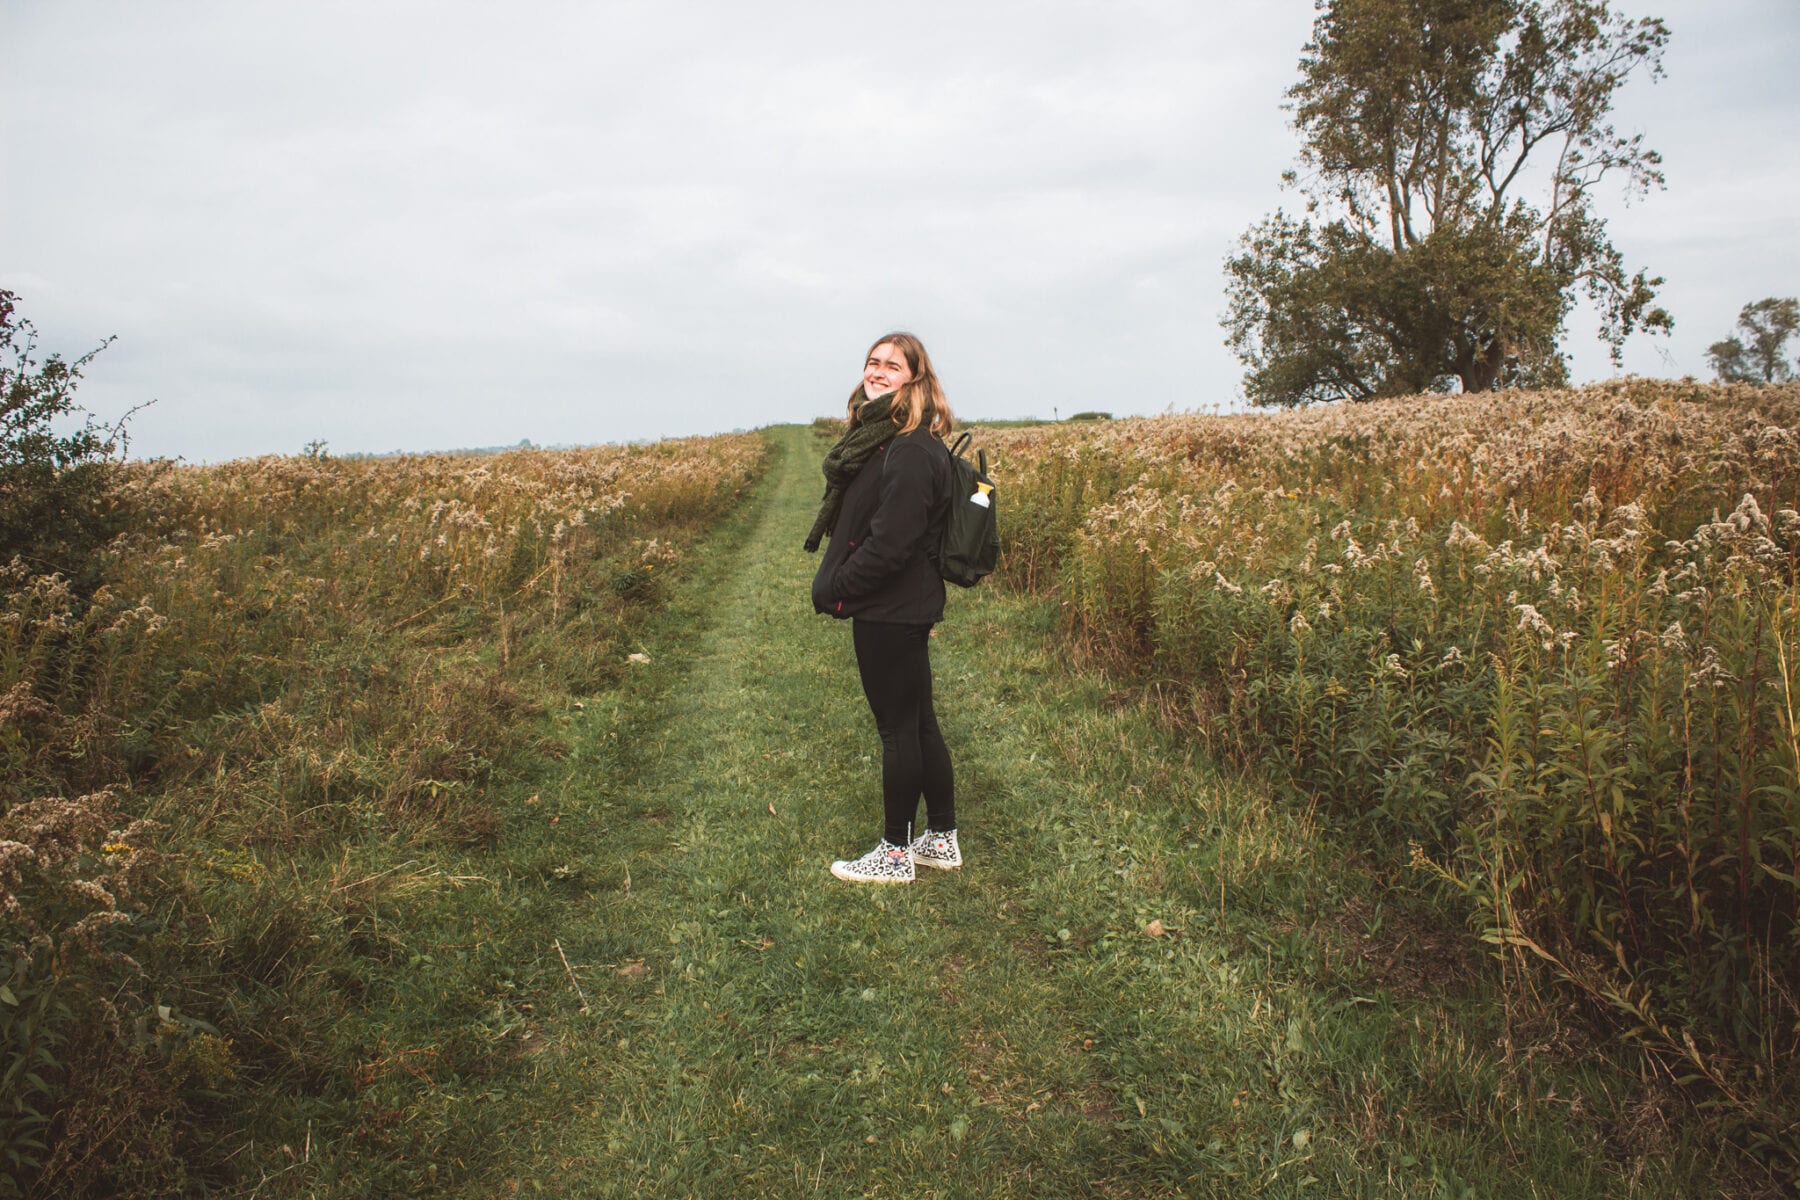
56	498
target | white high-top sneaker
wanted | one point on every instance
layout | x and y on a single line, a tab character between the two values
935	848
886	863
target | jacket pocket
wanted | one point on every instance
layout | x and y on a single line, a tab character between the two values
824	598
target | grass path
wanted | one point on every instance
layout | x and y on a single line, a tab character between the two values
756	1028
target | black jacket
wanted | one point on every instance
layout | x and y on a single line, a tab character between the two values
875	566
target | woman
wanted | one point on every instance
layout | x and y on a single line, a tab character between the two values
888	491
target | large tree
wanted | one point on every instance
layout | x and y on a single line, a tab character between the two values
1419	262
1760	354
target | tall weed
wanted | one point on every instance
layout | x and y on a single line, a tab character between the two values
289	667
1548	639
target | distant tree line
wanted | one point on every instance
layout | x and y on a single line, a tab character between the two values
1758	353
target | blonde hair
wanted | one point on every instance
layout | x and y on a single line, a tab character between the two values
918	401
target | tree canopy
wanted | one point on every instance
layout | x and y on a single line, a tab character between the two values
1759	355
1419	262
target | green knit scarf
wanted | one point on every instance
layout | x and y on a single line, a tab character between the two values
874	425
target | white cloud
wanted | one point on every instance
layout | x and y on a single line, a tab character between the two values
449	224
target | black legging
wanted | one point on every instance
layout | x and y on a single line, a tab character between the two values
895	664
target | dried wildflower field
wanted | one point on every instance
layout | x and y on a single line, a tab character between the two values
1544	647
290	703
472	817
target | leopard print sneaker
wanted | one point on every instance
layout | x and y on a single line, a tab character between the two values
886	863
935	848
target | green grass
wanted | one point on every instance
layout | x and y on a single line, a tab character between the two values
734	1022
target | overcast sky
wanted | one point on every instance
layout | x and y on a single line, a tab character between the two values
433	225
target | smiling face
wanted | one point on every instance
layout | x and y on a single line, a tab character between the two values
885	371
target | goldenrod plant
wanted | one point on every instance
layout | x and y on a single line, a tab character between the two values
291	686
1547	642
